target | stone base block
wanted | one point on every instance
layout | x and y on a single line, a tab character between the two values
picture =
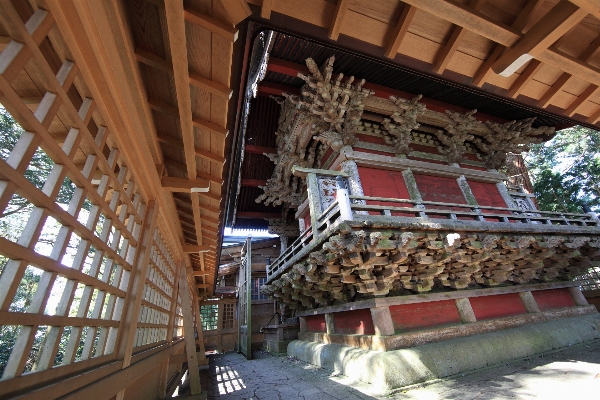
398	368
276	347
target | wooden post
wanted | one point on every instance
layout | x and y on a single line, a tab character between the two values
343	199
302	324
173	308
200	339
529	302
125	340
382	321
249	298
137	279
330	323
465	310
314	201
188	329
578	297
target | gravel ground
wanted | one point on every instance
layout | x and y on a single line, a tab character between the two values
571	374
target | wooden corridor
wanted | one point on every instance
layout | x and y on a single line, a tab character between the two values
134	105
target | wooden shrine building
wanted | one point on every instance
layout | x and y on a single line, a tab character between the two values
371	136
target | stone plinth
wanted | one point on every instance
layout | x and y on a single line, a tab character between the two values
277	337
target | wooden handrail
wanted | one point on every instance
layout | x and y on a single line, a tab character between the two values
437	203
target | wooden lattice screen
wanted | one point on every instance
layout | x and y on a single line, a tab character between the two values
104	275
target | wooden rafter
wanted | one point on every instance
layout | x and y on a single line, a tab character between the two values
587	54
199	152
195	79
396	36
177	40
457	35
558	21
238	10
526	77
182	167
341	8
265	8
212	24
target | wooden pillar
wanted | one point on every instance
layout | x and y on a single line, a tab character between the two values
330	323
173	308
163	379
343	199
302	324
468	195
314	201
465	310
529	302
382	321
413	190
125	340
578	297
188	329
200	339
137	280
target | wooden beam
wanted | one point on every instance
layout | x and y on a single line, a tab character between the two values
264	215
190	248
163	107
253	182
526	77
181	167
457	35
209	208
185	185
338	19
199	152
214	25
203	285
195	79
396	36
215	88
587	54
558	21
188	329
519	23
154	61
276	89
251	149
238	10
211	126
265	9
590	91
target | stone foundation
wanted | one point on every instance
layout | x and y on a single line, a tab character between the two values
398	368
278	337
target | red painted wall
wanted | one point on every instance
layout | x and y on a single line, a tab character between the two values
487	194
553	298
354	322
316	323
409	317
326	156
498	306
383	183
437	188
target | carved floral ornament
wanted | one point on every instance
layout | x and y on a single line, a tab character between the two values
329	109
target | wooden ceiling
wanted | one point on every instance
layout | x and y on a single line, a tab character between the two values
546	50
184	53
162	71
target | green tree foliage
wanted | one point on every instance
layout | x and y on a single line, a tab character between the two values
566	170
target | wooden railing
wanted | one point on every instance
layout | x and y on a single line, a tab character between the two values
348	208
425	209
